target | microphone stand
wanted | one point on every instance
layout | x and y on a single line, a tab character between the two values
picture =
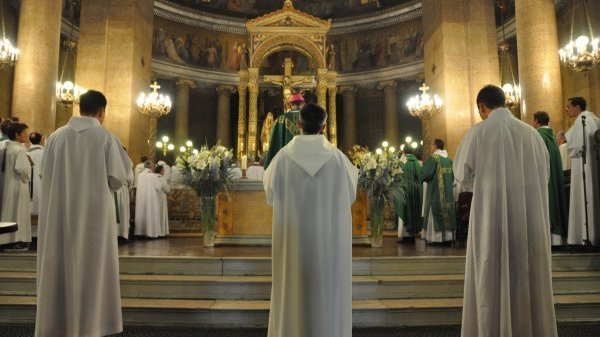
586	241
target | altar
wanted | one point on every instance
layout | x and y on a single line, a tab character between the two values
244	218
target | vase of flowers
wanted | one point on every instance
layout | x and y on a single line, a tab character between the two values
207	171
380	175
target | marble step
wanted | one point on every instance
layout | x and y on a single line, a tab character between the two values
254	314
259	287
261	266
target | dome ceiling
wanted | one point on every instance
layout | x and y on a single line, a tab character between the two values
321	8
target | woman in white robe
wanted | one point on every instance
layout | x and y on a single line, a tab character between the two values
16	168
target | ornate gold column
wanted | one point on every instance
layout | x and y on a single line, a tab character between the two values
253	111
390	102
242	110
224	115
332	118
182	110
539	67
36	71
349	96
322	88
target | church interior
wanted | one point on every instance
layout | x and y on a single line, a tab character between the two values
182	74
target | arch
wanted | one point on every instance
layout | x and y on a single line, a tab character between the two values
295	43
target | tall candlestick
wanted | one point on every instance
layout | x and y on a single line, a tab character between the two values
244	162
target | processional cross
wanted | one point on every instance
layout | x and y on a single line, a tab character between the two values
287	81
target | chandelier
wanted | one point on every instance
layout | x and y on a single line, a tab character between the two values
582	54
154	104
512	90
8	53
424	106
68	92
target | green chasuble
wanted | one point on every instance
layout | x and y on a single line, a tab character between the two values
557	200
410	210
437	172
284	129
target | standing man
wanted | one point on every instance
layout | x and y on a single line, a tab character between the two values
556	186
578	234
410	221
285	128
78	291
508	280
439	211
311	186
564	152
35	154
139	168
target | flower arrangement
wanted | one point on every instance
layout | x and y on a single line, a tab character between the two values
208	170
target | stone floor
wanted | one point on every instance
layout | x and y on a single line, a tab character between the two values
564	330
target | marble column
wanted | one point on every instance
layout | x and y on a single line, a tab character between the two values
224	115
461	56
252	112
350	139
539	67
242	144
182	110
115	56
390	102
36	71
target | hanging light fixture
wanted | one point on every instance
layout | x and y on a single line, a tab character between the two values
583	54
68	92
8	53
424	106
153	105
512	90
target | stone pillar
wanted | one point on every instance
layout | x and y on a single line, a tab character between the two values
182	111
461	56
594	98
36	71
539	67
390	102
350	139
252	112
224	115
242	144
115	57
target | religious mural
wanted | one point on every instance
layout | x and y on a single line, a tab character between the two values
378	48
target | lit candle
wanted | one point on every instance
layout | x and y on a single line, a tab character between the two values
244	162
242	147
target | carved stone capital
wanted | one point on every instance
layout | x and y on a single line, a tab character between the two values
347	90
392	84
225	90
182	82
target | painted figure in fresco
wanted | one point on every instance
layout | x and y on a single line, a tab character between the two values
219	55
182	49
233	62
158	45
380	55
243	54
211	55
172	50
331	57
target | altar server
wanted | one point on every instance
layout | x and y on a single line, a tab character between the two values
311	186
255	171
123	206
162	188
35	154
508	280
78	292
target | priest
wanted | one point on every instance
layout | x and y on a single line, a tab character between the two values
78	292
285	128
579	226
311	186
439	211
508	279
556	186
408	211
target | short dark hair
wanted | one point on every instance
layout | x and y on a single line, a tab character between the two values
575	101
312	118
35	138
439	143
144	159
5	126
15	129
541	117
408	149
91	102
491	96
158	168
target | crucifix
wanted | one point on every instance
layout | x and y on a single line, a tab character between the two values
287	81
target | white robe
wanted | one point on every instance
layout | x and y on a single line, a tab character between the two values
139	168
508	281
564	155
162	188
311	186
35	154
3	144
255	172
167	168
124	207
429	234
577	232
148	206
15	205
78	292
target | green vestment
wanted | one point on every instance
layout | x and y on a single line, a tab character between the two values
557	200
284	129
437	172
410	210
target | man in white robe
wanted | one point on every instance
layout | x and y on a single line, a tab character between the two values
311	186
123	206
564	152
576	107
35	154
138	169
167	170
255	171
508	281
162	189
147	204
78	292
